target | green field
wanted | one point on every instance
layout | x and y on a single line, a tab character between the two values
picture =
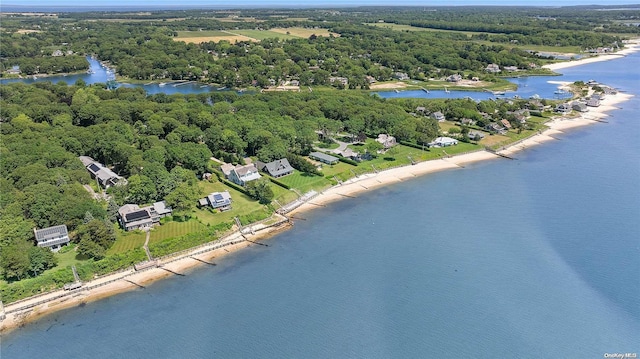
400	27
262	34
126	241
207	33
305	182
174	229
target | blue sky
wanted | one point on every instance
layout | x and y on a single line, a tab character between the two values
297	3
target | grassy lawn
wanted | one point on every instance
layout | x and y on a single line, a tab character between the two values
303	32
126	241
283	196
305	182
400	27
67	259
263	34
173	230
447	125
242	205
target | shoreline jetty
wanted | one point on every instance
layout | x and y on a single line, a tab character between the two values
17	314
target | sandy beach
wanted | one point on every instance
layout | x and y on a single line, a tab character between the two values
631	47
30	309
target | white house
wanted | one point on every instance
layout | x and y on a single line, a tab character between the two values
443	142
242	174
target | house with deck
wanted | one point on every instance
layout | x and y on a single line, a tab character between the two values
563	108
277	168
52	237
241	175
593	102
217	200
131	216
323	157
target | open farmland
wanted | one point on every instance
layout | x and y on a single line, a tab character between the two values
303	32
215	36
263	34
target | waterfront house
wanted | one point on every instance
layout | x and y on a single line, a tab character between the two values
493	68
217	200
323	157
387	141
593	102
105	176
52	237
443	142
454	78
493	127
579	106
400	76
131	216
277	168
511	68
242	174
505	123
476	135
438	116
563	108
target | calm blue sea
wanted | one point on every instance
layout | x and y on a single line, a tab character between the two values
533	258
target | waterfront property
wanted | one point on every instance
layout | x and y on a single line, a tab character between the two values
323	157
277	168
579	106
563	108
217	200
52	237
104	175
443	142
131	216
387	141
240	175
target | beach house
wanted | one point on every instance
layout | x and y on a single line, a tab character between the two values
387	141
443	142
131	216
217	200
277	168
579	106
240	175
323	157
52	237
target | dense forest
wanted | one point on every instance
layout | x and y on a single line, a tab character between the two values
147	50
163	144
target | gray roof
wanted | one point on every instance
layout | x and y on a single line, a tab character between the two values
51	232
323	156
161	208
86	160
278	167
219	199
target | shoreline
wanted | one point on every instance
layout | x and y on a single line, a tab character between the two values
632	46
34	308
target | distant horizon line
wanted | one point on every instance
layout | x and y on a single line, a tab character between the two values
3	7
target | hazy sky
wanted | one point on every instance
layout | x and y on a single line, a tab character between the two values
298	3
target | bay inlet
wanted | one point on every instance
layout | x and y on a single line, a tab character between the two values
529	258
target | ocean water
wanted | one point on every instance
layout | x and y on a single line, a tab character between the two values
530	258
